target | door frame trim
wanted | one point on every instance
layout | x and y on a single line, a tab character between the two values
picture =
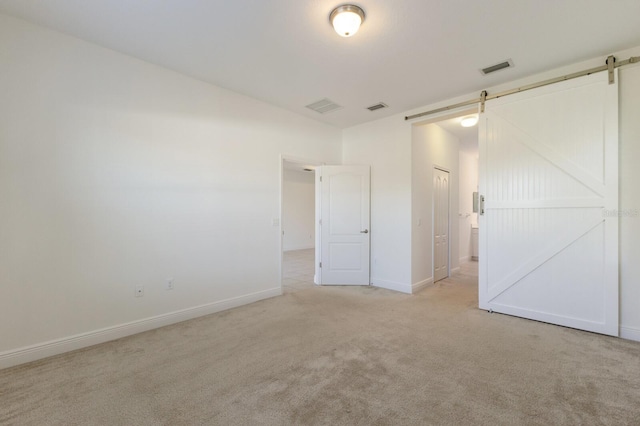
296	160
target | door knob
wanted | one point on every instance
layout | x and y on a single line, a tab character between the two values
366	231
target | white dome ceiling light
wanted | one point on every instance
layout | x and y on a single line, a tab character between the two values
346	19
469	121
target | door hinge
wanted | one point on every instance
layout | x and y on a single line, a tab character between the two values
320	264
481	205
320	222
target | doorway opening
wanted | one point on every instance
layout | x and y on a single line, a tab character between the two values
468	179
445	159
297	221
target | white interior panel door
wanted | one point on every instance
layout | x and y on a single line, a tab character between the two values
549	178
440	224
344	225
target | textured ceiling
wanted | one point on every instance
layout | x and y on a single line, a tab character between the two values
408	53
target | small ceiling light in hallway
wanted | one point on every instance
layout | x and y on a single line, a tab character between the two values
346	19
469	121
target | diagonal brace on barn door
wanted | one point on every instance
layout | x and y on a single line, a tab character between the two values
553	249
552	156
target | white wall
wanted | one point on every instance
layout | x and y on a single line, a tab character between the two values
298	210
432	146
386	145
468	185
116	173
629	86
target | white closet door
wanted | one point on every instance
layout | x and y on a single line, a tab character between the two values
549	177
440	224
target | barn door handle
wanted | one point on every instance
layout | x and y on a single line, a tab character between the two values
366	231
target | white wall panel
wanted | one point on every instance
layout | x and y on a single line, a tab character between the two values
385	145
116	173
629	201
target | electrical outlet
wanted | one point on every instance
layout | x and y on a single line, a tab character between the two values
169	284
139	291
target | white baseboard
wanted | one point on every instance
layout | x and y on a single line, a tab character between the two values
392	285
416	287
305	247
465	259
79	341
455	270
630	333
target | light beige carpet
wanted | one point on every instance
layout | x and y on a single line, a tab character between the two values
338	356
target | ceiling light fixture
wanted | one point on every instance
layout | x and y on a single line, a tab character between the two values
469	121
346	19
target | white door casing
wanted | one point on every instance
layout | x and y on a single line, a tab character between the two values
440	224
343	225
549	178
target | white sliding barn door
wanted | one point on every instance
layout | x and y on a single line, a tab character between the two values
344	199
549	178
440	224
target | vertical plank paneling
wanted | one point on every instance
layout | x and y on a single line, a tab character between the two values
545	243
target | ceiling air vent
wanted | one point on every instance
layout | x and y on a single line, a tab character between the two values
497	67
377	106
324	106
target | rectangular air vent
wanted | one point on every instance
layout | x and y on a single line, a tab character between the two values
377	106
324	106
497	67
